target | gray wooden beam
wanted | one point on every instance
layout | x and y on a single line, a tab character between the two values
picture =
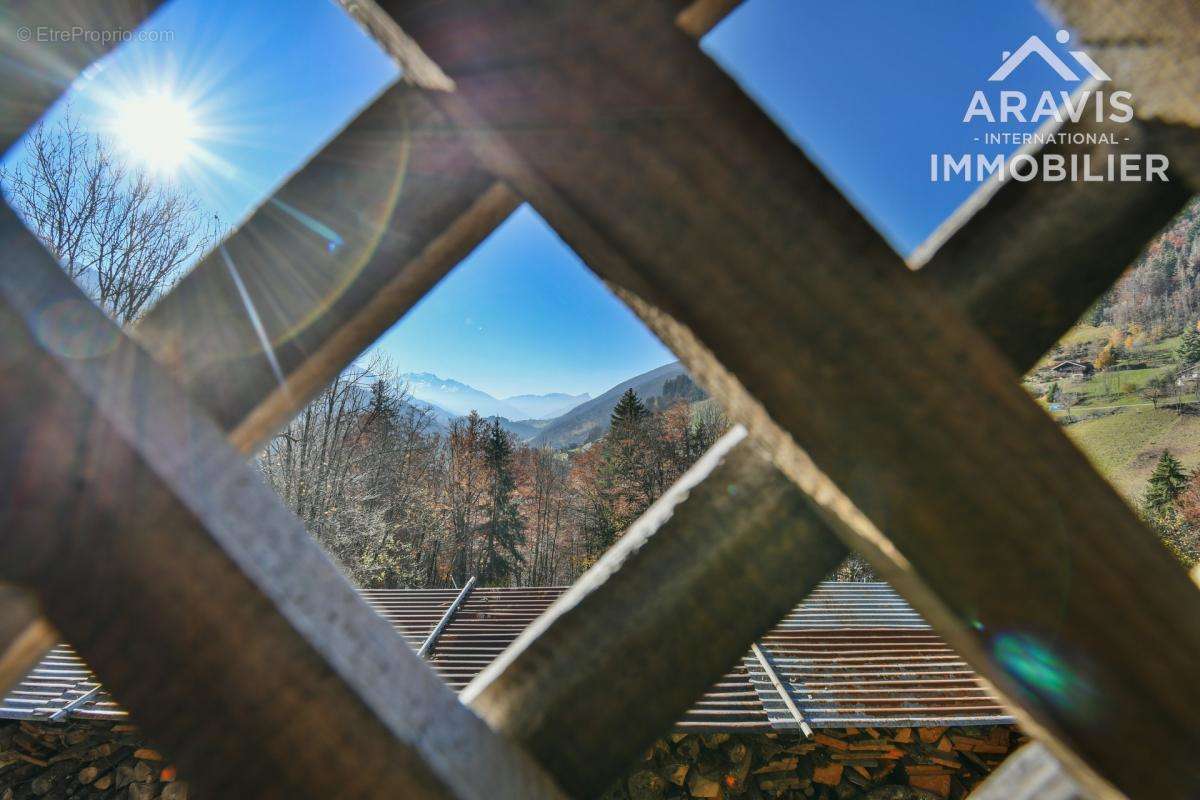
251	437
352	241
914	429
198	599
1031	773
1026	260
47	43
349	244
25	635
1150	48
717	561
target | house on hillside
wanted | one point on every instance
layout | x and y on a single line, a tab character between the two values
1188	375
1073	368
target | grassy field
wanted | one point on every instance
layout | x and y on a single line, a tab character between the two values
1117	428
1124	446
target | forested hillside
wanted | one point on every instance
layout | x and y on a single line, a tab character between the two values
401	501
1160	294
588	421
1131	398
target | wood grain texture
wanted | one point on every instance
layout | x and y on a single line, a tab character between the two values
406	202
41	59
1025	260
348	245
250	433
1150	47
1031	773
25	636
711	566
345	248
699	17
917	442
179	576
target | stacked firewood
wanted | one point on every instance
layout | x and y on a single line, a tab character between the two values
876	763
82	759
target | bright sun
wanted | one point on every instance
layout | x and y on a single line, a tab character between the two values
157	129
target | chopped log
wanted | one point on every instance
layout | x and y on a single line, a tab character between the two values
930	735
646	785
829	774
778	765
829	741
777	785
700	786
938	784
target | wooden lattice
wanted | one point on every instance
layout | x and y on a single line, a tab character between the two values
129	512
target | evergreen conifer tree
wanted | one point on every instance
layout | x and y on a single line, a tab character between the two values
500	555
1166	482
1189	347
629	410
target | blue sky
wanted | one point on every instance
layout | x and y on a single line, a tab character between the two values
268	82
868	89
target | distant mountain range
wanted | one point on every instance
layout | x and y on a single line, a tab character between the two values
456	397
589	420
546	406
554	419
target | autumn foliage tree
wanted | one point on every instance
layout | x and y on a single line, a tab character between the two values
401	502
642	454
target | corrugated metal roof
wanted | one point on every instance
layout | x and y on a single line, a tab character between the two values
852	654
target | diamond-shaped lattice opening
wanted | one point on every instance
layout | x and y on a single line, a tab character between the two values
396	466
155	151
393	468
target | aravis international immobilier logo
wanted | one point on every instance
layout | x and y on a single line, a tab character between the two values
1004	115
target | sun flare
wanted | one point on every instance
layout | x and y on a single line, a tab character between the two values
158	129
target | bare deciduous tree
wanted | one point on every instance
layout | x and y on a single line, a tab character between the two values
123	236
402	500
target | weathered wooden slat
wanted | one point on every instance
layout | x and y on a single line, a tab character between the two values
46	45
1025	260
674	187
700	16
183	581
24	635
1031	773
1151	48
400	199
344	249
348	245
619	657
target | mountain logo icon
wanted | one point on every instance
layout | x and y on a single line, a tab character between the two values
1033	45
